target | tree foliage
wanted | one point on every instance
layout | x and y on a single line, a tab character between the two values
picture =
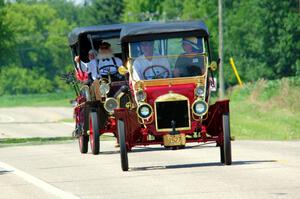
4	35
16	80
142	10
104	11
263	36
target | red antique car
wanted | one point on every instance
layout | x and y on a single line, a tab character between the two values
170	70
94	105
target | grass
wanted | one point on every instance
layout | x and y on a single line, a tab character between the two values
7	142
50	99
266	110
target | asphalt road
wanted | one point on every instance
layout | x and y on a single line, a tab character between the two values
35	122
260	170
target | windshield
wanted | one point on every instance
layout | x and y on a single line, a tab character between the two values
167	58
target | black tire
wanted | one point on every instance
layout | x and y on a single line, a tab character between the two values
94	133
83	141
222	154
225	149
123	148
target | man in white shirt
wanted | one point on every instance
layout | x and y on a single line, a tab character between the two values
107	62
150	65
91	66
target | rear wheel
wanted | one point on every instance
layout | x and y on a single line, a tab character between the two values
123	148
94	132
225	148
83	143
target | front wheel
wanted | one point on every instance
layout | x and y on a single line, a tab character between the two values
123	148
83	143
225	148
94	132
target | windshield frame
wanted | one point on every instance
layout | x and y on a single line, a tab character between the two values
205	53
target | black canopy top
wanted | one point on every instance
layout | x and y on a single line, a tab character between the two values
107	31
137	31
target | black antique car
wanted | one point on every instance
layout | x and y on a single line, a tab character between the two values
94	105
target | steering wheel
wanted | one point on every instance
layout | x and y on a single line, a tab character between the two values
110	66
156	75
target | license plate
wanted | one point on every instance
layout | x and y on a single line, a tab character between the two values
174	140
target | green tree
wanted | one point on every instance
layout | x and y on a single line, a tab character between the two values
18	80
103	12
4	36
142	10
67	10
263	37
172	9
39	36
282	36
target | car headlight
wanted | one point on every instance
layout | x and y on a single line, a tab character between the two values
110	104
144	111
141	95
199	107
104	88
199	91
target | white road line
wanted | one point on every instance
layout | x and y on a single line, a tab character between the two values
69	124
5	118
39	183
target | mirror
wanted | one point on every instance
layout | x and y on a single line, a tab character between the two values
213	66
122	70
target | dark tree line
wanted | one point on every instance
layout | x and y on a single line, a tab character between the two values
263	36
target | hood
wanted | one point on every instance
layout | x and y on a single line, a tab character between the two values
153	92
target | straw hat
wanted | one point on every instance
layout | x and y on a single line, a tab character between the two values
191	41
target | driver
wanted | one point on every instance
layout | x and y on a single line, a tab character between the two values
108	63
161	65
190	63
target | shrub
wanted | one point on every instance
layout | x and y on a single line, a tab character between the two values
18	80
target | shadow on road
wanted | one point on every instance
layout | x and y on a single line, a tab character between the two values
2	172
159	148
209	164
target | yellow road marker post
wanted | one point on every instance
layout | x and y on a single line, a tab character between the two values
235	71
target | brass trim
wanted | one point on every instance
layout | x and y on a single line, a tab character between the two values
197	87
196	119
139	85
95	90
199	115
137	110
169	98
175	81
174	140
111	112
144	93
122	70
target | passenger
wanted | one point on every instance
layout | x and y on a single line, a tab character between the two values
108	63
161	65
190	63
91	66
